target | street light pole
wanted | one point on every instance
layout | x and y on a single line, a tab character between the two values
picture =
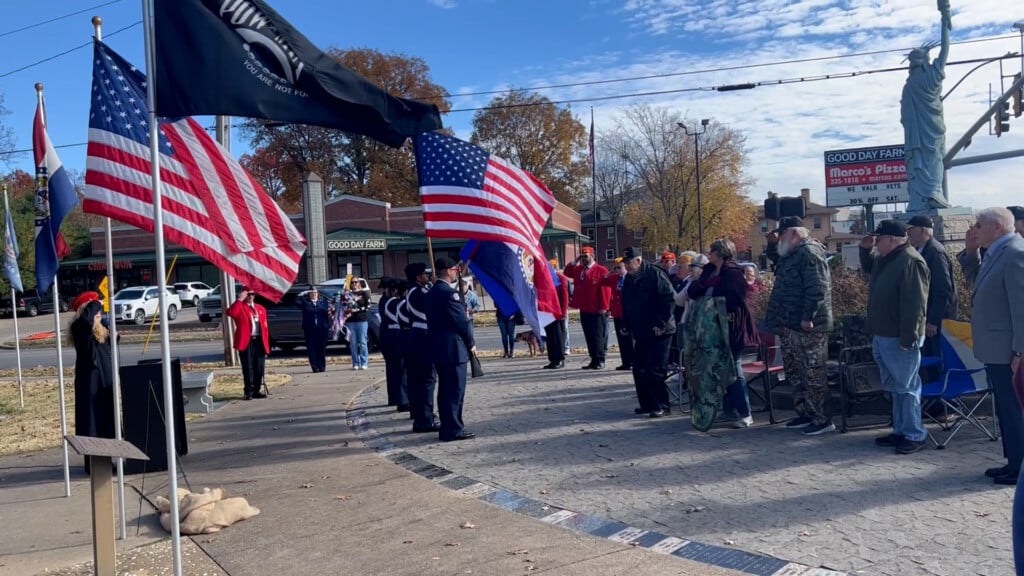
696	170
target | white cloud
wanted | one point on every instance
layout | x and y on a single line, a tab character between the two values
788	127
445	4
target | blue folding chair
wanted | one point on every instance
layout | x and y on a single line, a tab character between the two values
962	386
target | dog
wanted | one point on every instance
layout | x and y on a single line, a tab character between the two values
531	341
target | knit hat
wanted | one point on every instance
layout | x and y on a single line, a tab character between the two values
83	299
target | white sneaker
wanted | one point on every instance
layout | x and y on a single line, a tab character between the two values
355	367
364	367
745	422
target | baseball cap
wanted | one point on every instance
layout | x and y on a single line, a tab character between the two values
789	222
921	221
891	228
630	253
699	261
444	263
668	255
83	299
1018	212
588	250
416	269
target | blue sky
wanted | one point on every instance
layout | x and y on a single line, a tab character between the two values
479	45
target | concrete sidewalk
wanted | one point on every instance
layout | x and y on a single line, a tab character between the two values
329	505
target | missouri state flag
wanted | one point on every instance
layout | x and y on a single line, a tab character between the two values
55	197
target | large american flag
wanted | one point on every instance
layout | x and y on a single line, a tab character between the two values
211	205
469	193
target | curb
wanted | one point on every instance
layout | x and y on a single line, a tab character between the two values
719	556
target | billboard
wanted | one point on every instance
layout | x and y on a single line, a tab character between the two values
859	176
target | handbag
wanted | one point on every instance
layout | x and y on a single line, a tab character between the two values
476	370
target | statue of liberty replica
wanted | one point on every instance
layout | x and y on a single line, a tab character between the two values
924	130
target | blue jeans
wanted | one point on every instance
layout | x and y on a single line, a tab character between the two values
566	334
358	345
898	369
736	397
507	327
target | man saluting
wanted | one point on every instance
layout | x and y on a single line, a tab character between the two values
451	343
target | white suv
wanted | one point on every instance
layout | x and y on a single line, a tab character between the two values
192	292
137	304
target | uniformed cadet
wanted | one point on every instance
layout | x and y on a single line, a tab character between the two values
451	343
419	368
394	363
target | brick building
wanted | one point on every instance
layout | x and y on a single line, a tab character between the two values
820	221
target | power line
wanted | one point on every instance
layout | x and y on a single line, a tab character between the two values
702	71
44	22
66	52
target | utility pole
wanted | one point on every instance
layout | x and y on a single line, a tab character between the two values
696	169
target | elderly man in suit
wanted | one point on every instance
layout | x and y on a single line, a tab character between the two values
997	324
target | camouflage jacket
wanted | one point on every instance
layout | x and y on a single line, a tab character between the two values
802	291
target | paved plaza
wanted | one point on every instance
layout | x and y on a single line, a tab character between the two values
570	438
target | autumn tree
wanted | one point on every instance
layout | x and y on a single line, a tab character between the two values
533	133
348	163
616	185
660	157
7	138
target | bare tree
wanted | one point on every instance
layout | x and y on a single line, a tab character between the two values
617	186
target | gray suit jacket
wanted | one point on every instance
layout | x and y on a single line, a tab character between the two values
997	313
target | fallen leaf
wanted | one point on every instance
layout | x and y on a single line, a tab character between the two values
804	533
695	509
982	514
545	507
467	525
584	431
518	552
544	492
602	445
610	476
324	477
435	557
531	567
406	541
729	543
345	497
277	427
538	443
666	492
452	544
306	485
634	544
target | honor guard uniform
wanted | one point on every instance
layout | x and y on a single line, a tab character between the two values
419	366
394	363
450	344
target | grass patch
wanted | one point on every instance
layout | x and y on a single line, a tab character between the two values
37	426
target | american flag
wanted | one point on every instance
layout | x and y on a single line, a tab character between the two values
211	205
468	193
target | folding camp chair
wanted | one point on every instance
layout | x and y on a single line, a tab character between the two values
962	386
678	392
764	364
859	377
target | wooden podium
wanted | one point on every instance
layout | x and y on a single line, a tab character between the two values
101	453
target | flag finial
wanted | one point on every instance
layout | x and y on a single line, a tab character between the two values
39	86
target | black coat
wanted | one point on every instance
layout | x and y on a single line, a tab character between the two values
94	381
451	335
942	302
648	302
315	317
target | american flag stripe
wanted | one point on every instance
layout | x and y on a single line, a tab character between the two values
468	193
211	206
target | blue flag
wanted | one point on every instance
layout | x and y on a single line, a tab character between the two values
11	251
506	271
55	197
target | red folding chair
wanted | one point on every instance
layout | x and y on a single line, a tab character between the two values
765	365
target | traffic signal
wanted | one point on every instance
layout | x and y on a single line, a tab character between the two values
1003	119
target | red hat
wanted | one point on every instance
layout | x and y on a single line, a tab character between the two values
83	299
588	250
668	256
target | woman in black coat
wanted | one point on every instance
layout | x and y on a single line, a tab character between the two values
94	379
723	277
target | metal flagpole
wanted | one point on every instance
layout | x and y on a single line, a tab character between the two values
14	313
97	23
161	275
593	178
227	283
60	351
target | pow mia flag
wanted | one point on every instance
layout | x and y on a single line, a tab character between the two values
240	58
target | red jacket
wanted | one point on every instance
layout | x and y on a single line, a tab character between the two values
242	315
589	293
614	282
563	295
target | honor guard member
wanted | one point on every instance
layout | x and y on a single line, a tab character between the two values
451	343
419	366
394	363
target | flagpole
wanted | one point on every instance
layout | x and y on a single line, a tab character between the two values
14	309
161	273
60	351
115	361
430	254
593	177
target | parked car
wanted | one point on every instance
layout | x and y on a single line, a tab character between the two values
140	303
285	319
192	292
209	308
28	303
